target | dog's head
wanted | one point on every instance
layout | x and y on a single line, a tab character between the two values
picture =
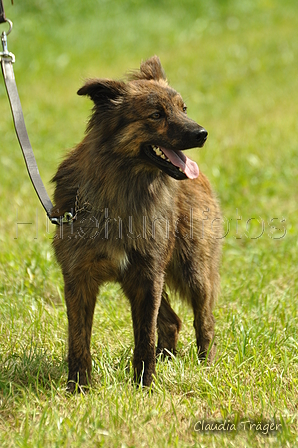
147	119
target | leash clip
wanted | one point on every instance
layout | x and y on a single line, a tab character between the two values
67	218
5	54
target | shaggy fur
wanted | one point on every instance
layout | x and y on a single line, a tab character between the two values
139	220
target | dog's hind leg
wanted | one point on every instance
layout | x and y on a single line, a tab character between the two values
80	298
168	327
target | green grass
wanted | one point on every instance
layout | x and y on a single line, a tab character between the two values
235	64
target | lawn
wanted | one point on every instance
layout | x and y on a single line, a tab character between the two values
235	64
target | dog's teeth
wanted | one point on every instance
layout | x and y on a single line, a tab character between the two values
159	153
156	150
180	170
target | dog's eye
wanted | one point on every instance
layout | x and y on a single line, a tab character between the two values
184	109
155	115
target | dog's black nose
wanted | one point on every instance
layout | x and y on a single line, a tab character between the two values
202	136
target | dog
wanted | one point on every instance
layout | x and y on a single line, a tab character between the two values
142	215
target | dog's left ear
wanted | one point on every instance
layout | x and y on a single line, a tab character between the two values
102	91
150	69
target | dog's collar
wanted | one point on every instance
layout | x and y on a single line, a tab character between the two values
71	216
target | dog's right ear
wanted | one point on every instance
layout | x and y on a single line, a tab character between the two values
102	91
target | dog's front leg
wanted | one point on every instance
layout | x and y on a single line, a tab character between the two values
80	298
144	295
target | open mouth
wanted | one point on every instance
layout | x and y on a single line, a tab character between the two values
174	162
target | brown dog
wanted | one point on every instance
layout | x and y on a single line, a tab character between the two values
143	216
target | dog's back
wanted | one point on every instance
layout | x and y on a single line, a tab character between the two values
143	216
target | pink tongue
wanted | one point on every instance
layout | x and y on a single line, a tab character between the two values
179	159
